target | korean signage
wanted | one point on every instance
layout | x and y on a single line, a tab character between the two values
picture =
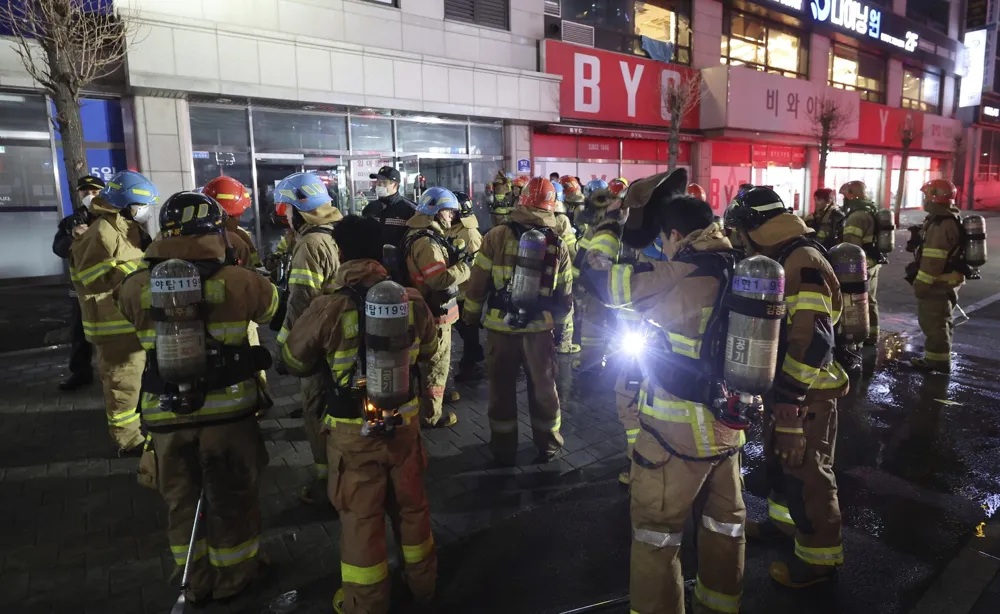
971	90
989	113
762	102
612	87
882	126
857	17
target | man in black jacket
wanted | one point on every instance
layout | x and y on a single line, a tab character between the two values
70	227
391	209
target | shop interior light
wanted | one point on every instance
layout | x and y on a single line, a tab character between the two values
11	98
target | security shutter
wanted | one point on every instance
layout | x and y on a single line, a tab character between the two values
489	13
553	8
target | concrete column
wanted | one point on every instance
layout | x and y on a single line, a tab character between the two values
819	59
899	7
706	32
701	164
954	18
948	96
812	172
162	131
894	83
517	145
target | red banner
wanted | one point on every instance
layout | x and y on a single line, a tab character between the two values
613	87
553	146
634	149
882	126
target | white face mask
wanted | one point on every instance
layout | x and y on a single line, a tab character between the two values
489	197
86	200
381	191
149	217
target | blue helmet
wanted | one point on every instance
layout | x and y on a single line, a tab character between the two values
437	199
304	191
595	184
129	188
559	191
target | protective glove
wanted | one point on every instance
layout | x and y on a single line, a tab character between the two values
790	445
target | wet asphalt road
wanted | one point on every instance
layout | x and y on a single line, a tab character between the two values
918	465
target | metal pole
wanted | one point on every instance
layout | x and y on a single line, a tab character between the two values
253	173
597	606
179	605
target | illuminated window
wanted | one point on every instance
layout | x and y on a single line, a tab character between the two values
921	90
853	69
620	25
764	45
663	21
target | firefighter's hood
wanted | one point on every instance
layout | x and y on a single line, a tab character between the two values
99	206
859	204
232	223
530	216
202	247
469	221
780	229
364	271
940	209
326	214
422	220
709	239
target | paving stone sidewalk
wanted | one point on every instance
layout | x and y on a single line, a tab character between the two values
77	533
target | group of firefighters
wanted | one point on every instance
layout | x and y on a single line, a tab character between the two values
721	318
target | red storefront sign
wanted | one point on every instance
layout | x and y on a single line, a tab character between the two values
553	146
613	87
567	147
882	126
597	148
745	154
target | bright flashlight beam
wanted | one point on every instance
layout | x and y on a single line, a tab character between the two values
633	343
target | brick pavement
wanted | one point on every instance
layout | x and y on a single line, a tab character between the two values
77	533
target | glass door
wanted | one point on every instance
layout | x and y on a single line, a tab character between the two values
409	170
360	183
269	173
449	173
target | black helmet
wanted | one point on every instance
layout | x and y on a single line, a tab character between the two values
188	214
752	208
90	182
464	202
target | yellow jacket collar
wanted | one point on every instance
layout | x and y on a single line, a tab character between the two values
422	220
363	271
533	217
321	216
202	247
780	230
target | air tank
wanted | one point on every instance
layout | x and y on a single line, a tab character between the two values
754	325
851	267
175	298
387	345
975	240
885	231
526	283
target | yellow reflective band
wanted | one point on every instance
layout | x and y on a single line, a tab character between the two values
547	426
282	335
501	274
482	261
685	346
305	277
230	333
779	513
800	372
291	360
503	427
833	376
227	557
349	324
495	321
822	234
853	230
719	602
127	267
365	576
103	329
180	552
938	356
215	291
820	556
229	400
924	277
322	470
91	274
415	554
342	359
472	306
123	419
620	281
668	411
811	301
631	435
114	186
657	539
606	243
931	252
273	307
224	196
147	338
790	430
141	192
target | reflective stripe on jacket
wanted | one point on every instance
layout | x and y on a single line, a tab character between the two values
941	240
427	265
315	259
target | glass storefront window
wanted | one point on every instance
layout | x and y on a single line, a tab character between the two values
921	90
918	172
417	137
486	140
219	126
211	164
29	209
275	131
755	42
842	166
220	140
23	117
667	22
853	69
371	134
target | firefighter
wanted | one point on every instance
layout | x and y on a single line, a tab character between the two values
391	208
234	199
800	412
860	229
500	199
564	229
109	250
466	229
71	227
212	446
573	196
827	219
934	278
313	266
365	468
517	338
675	464
594	316
435	268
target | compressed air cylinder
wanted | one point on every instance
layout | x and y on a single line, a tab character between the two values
885	231
387	345
975	240
754	325
527	281
175	298
851	267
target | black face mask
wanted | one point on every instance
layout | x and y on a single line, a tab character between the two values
297	221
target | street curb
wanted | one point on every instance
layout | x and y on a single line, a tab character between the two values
32	351
966	577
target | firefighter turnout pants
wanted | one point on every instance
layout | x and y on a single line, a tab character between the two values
120	363
435	376
313	407
253	338
662	496
593	332
225	460
505	355
873	328
472	347
627	404
934	317
370	478
803	500
563	333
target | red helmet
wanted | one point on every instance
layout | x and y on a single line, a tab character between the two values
940	191
697	191
229	193
539	194
618	185
523	180
570	184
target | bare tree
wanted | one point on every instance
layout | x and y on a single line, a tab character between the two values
907	134
678	99
66	45
830	121
958	153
